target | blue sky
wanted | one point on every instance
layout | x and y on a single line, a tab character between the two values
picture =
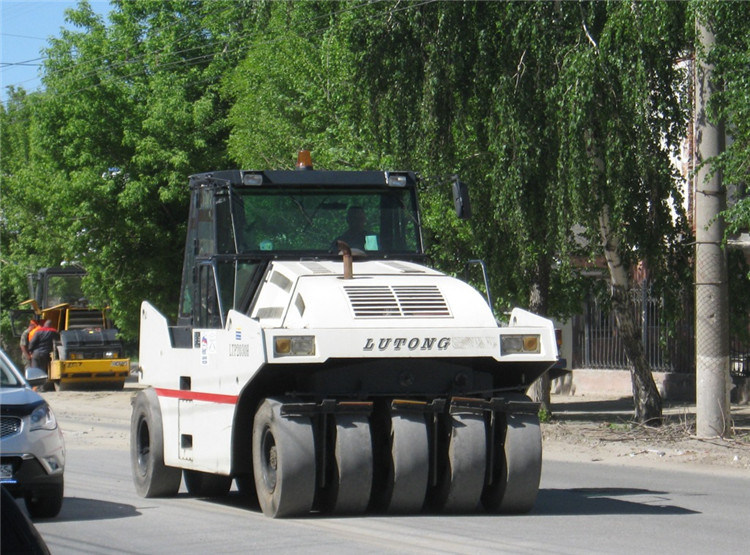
25	27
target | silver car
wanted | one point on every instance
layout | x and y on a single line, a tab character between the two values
32	450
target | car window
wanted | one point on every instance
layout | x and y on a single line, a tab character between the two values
8	378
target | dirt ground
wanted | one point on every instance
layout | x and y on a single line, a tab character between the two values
602	429
582	428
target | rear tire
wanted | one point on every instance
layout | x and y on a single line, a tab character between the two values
283	461
203	484
45	504
152	478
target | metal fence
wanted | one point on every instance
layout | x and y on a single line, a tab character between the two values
739	358
669	345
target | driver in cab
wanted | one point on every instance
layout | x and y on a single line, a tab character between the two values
356	235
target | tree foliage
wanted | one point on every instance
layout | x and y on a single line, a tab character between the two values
129	110
555	113
731	103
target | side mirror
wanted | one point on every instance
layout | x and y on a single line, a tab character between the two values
36	376
461	199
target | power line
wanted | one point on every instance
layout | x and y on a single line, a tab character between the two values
24	63
22	36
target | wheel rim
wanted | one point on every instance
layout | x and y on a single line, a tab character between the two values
144	446
270	460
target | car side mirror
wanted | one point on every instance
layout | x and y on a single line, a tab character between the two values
461	199
36	376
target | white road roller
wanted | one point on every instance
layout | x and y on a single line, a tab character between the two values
319	363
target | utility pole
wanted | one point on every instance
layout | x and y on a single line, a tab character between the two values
711	293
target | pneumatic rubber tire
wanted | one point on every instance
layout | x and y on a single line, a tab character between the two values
408	462
46	503
518	465
283	461
466	460
352	466
152	478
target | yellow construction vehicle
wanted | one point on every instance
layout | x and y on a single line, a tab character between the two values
89	352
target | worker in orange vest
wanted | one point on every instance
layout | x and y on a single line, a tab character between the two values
41	345
25	338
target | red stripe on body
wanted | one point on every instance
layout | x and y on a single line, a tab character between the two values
197	396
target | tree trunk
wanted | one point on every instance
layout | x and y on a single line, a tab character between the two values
646	398
538	300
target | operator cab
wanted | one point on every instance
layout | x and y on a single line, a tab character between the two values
242	220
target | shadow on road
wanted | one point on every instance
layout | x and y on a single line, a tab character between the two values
605	501
550	502
81	509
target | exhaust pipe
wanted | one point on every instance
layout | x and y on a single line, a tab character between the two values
346	251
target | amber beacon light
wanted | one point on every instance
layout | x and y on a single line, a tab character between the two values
304	160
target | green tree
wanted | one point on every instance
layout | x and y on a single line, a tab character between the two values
562	116
731	104
621	117
129	111
21	211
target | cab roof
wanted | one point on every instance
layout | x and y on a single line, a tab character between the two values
303	178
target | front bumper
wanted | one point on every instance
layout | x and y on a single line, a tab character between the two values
25	474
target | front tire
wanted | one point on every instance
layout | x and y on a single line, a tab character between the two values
152	478
283	461
518	464
45	504
406	457
466	464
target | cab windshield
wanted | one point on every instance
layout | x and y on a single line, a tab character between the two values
312	221
64	289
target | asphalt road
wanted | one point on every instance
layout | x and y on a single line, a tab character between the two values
585	507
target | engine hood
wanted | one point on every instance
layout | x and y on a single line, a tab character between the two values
19	400
382	293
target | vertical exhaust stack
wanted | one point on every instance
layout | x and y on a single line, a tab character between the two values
346	251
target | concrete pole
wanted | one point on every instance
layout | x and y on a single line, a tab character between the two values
711	294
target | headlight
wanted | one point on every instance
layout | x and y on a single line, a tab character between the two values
297	345
514	344
111	354
43	418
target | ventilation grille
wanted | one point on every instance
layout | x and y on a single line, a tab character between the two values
398	301
83	319
9	426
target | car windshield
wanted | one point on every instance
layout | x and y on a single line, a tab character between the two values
313	220
8	378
